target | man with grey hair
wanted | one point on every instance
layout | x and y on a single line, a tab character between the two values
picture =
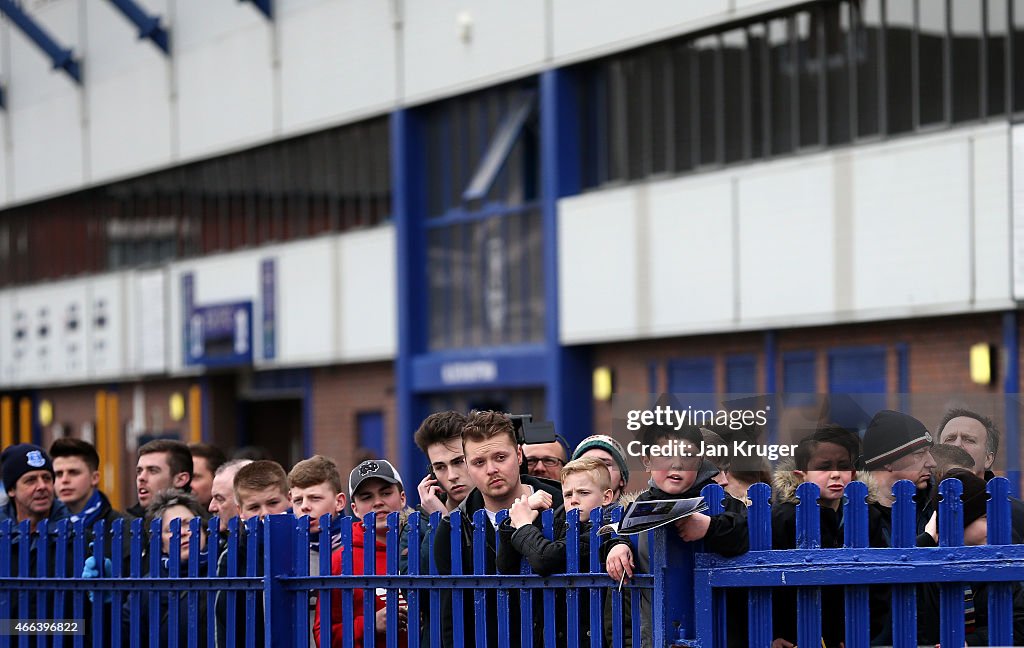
222	492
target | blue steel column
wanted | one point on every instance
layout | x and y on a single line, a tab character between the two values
569	399
408	197
1011	396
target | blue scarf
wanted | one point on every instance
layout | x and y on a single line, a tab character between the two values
93	510
335	531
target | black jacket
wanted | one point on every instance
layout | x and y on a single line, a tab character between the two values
442	557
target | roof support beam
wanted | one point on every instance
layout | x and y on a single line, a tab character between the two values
62	58
149	26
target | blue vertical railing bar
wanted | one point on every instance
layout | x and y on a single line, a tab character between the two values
547	523
195	549
594	567
155	538
951	534
504	631
301	568
618	638
369	568
134	597
174	573
6	540
116	571
525	610
60	570
572	566
391	595
42	549
61	57
252	548
231	598
480	524
347	599
455	544
412	596
23	540
279	558
759	526
435	594
99	537
77	564
212	558
716	505
1000	532
904	597
808	536
149	26
855	523
324	567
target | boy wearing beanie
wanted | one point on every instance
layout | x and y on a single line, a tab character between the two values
611	453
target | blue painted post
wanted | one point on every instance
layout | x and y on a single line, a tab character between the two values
413	595
212	557
369	569
195	528
526	609
572	566
324	568
504	638
594	567
154	573
79	562
759	524
391	596
279	558
24	531
904	597
117	569
808	536
173	572
718	616
480	550
234	531
252	548
60	571
547	523
618	632
1000	595
855	523
455	543
348	614
134	600
6	539
99	534
300	568
435	593
951	534
42	550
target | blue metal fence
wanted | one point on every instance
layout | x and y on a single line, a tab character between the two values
254	585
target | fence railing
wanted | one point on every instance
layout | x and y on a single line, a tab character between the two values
254	585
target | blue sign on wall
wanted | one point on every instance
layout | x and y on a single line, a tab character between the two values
219	335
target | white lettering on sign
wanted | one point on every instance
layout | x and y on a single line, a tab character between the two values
461	373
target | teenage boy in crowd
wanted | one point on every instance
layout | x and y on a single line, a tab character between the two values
586	485
494	457
222	492
682	476
162	464
206	459
612	455
375	487
315	490
261	489
439	437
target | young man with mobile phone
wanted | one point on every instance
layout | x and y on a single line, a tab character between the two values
448	482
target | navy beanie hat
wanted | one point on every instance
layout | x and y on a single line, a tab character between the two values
16	460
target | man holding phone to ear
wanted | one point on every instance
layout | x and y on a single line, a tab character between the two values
448	482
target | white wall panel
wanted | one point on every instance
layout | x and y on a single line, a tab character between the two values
44	107
598	266
505	37
786	240
305	309
690	253
146	305
127	94
581	25
108	330
368	293
7	343
337	59
992	228
224	76
912	235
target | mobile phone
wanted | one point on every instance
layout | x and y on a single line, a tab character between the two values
443	495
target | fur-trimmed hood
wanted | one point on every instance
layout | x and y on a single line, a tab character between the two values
785	482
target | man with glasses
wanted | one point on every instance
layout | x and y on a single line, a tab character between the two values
546	459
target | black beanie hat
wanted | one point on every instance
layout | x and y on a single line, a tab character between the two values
974	496
16	460
891	435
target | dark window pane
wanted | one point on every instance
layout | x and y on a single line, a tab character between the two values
637	101
782	83
659	83
707	92
809	77
837	22
685	102
757	52
867	60
734	76
966	41
995	57
618	120
898	65
931	61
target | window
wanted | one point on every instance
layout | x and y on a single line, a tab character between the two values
868	60
931	44
966	73
996	12
899	65
810	67
781	84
